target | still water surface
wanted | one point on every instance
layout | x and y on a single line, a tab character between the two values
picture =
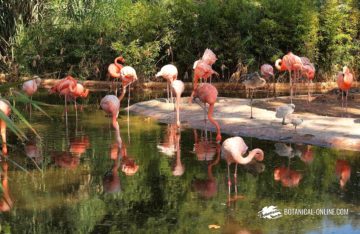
77	180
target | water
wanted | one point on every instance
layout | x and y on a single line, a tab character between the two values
77	181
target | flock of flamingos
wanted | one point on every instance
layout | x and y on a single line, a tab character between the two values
233	147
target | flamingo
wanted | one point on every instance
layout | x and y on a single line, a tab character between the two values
283	111
110	103
79	145
30	87
308	71
178	168
64	87
202	69
344	81
5	108
267	71
235	147
169	73
253	82
207	94
115	68
178	87
79	91
343	171
295	121
290	62
128	165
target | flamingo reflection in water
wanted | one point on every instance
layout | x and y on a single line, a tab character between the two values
287	177
111	180
178	168
6	202
207	188
204	148
343	172
168	147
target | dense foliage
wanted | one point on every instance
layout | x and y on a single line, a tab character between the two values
81	37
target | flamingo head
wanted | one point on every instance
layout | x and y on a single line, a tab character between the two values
119	59
278	64
346	70
37	80
85	93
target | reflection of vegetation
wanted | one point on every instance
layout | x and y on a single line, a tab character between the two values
153	200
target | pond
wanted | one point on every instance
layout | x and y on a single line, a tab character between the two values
77	180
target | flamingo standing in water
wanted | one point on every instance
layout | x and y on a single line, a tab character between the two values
235	147
110	103
290	62
169	73
64	87
115	68
203	70
5	108
30	87
79	91
344	81
267	71
6	202
308	71
253	82
207	94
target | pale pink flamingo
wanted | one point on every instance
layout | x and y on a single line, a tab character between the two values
115	68
344	81
178	87
308	71
169	73
6	109
290	62
30	87
267	71
207	94
203	70
253	82
232	150
235	147
343	171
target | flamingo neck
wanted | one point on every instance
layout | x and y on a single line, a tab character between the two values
257	153
122	95
210	113
277	64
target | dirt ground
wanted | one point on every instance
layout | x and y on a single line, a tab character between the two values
321	104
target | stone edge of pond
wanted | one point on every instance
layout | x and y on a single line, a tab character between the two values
233	117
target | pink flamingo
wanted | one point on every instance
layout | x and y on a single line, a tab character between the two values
308	71
169	73
290	62
79	91
5	108
207	94
128	165
30	87
178	87
267	71
79	145
202	69
115	68
344	81
235	147
64	87
343	171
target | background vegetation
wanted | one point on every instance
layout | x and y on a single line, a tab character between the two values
81	37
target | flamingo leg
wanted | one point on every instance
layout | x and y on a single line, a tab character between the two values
76	115
342	99
274	86
291	88
178	110
346	101
3	136
309	91
251	100
211	119
235	179
66	115
167	90
128	115
229	183
30	107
